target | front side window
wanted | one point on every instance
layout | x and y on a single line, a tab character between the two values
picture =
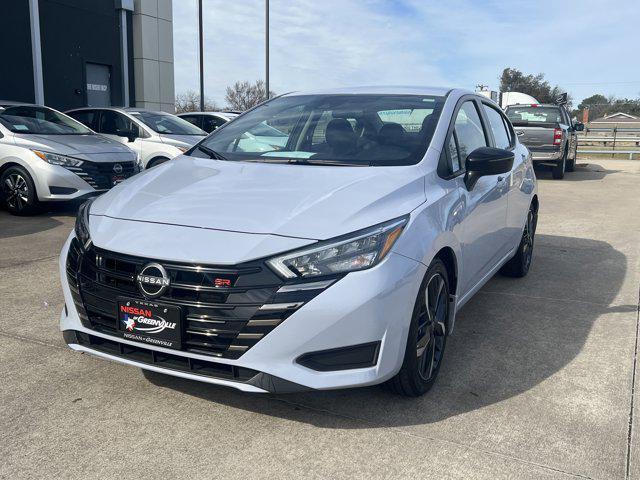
86	117
40	121
114	123
210	123
167	124
192	119
341	129
499	129
468	131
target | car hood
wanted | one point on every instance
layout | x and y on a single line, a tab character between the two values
181	140
301	201
74	145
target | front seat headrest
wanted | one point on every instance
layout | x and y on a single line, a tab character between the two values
340	135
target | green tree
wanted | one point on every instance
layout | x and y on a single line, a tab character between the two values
513	80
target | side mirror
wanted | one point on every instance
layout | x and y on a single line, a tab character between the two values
486	161
129	134
578	127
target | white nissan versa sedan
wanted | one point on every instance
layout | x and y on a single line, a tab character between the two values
337	260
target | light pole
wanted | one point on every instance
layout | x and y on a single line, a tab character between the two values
201	41
266	42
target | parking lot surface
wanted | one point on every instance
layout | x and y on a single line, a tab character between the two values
537	380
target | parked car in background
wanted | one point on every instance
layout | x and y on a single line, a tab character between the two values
208	121
549	133
262	138
46	156
336	260
155	136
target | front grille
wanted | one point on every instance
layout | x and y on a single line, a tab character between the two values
219	321
100	175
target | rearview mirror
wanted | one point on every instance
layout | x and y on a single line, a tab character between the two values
578	127
486	161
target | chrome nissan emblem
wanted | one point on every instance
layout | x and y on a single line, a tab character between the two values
153	280
117	168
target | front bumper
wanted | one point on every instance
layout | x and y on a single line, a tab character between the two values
57	183
369	307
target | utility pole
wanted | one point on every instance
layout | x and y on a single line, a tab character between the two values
201	40
266	42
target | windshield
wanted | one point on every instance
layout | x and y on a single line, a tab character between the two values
167	124
530	114
41	121
341	129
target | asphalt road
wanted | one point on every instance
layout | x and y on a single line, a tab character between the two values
537	382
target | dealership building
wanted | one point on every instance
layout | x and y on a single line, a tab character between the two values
75	53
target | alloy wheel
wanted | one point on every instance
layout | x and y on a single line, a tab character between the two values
527	239
16	191
432	326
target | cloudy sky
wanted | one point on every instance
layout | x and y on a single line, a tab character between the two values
585	46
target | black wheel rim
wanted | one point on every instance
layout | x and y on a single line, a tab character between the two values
16	191
527	239
432	321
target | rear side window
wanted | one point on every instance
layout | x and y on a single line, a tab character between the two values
500	133
468	131
86	117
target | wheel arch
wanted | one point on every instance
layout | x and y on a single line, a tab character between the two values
535	202
154	160
448	257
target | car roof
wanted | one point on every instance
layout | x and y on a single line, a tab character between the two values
530	104
222	114
379	90
118	109
11	103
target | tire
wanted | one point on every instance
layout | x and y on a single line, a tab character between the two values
19	192
560	168
427	336
520	264
154	162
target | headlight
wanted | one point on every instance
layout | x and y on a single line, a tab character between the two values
82	224
356	251
138	163
55	159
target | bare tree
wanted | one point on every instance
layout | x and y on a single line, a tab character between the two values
189	101
244	95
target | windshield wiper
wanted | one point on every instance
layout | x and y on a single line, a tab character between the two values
212	153
307	161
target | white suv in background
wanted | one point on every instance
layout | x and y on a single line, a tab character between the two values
155	136
208	121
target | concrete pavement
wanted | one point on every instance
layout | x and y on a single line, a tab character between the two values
537	380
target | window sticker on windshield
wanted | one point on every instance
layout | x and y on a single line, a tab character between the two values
23	128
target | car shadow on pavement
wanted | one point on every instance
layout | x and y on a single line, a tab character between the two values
583	171
513	335
17	226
